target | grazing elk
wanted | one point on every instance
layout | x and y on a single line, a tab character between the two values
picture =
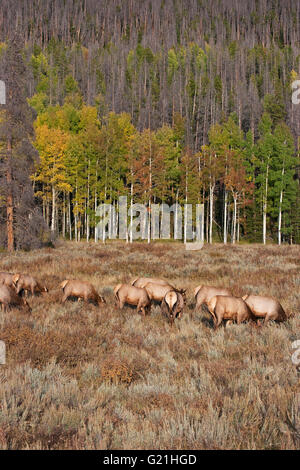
172	305
9	298
26	283
7	279
126	294
82	290
157	292
203	294
224	307
265	307
142	281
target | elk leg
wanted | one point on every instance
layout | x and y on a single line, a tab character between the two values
64	298
148	309
219	321
142	309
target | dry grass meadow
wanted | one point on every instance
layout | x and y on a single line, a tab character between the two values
80	377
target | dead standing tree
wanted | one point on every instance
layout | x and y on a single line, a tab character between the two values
18	213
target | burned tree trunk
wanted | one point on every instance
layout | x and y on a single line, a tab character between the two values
9	201
21	224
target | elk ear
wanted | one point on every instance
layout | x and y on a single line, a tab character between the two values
63	284
15	278
197	290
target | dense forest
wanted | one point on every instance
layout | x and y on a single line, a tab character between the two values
164	101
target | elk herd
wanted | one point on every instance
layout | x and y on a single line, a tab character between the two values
143	292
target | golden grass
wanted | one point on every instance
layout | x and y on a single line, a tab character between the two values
80	377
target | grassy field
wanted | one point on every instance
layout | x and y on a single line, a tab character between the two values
80	377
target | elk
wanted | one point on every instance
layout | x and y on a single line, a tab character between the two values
157	292
126	294
172	305
9	298
142	281
224	307
27	283
265	307
203	294
82	290
7	279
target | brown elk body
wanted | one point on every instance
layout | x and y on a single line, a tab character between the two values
27	283
9	298
7	279
265	307
203	294
224	307
82	290
126	294
142	281
172	305
157	292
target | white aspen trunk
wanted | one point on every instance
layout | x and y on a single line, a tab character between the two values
53	209
64	217
47	213
150	186
144	223
117	216
234	218
279	218
95	202
280	210
131	215
238	225
87	228
95	230
69	217
149	221
110	224
225	219
185	222
95	208
131	202
57	219
76	215
176	216
103	231
44	207
75	227
162	215
228	221
207	222
265	206
186	199
211	204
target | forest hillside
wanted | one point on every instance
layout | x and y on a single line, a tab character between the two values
164	101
